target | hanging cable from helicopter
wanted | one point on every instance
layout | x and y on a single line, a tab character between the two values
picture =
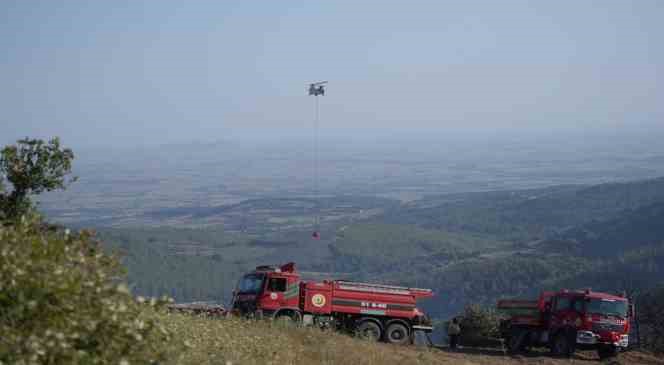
316	89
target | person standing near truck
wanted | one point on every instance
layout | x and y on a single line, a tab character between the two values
453	332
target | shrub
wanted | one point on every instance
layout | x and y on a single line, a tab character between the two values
650	315
62	302
479	326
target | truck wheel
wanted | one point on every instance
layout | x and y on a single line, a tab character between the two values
397	334
369	330
288	319
561	345
607	351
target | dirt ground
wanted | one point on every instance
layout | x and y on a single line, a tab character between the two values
472	356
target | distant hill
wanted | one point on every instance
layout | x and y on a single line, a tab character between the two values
524	215
633	271
186	264
389	247
629	230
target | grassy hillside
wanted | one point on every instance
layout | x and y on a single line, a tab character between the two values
241	342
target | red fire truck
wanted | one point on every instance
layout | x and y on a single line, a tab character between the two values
373	311
568	320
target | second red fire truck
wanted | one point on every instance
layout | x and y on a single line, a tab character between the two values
568	320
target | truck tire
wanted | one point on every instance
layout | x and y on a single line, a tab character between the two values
369	330
288	318
607	351
562	345
397	334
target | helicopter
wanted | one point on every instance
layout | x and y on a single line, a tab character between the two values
316	88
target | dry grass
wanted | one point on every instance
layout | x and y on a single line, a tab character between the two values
234	341
248	342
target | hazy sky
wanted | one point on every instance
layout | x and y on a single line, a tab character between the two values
151	72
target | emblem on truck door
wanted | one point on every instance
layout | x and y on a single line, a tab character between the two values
318	300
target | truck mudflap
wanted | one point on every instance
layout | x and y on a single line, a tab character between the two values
591	338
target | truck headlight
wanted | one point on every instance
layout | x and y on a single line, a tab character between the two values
623	341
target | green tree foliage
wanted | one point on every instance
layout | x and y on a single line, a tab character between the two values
650	314
395	247
179	262
526	215
632	229
62	302
479	326
31	166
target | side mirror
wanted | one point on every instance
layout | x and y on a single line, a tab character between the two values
632	311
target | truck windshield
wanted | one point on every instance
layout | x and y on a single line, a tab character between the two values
251	284
607	307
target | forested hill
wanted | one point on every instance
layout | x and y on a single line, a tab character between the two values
632	229
470	248
524	215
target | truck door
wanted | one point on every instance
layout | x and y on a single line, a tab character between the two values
568	312
578	310
273	296
282	291
560	312
292	294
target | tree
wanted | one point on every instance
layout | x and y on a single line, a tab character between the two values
650	316
479	326
31	166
